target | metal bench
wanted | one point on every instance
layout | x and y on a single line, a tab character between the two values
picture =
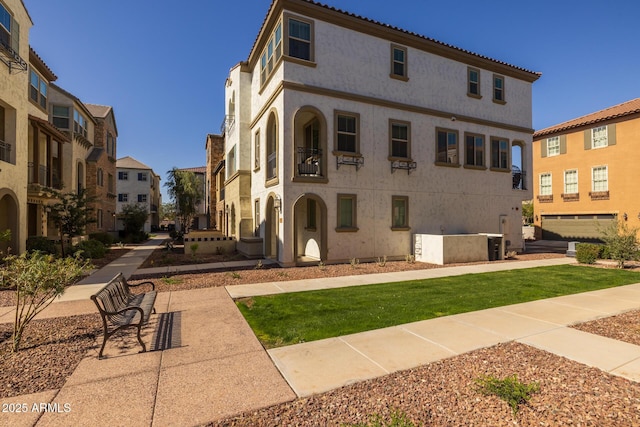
121	309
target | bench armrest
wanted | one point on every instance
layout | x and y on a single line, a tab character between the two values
153	286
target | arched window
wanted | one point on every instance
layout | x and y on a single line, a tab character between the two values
272	147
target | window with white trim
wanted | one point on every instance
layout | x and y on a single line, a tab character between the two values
545	184
553	146
38	89
599	178
571	181
599	137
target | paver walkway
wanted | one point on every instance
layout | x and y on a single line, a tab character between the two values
214	366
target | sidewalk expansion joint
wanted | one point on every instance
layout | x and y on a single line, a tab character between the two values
428	340
365	356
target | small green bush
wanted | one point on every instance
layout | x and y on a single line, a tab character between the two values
509	389
41	244
90	249
587	253
397	419
104	238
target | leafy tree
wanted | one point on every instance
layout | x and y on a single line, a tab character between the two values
186	191
37	279
527	212
621	241
168	211
134	216
71	214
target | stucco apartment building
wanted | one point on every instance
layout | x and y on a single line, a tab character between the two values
344	137
101	169
138	184
15	24
585	173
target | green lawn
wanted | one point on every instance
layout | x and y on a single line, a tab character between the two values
284	319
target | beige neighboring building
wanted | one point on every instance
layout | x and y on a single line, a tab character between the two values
47	149
101	169
137	183
14	122
215	155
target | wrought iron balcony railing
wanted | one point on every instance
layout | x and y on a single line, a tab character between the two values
309	161
227	124
5	151
519	179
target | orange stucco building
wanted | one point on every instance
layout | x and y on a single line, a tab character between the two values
586	174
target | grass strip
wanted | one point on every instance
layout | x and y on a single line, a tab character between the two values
291	318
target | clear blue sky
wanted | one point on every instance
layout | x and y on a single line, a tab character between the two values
162	64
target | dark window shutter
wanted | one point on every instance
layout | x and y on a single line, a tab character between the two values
587	139
563	144
611	134
543	145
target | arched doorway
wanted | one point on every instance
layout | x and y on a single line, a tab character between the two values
310	229
271	228
9	221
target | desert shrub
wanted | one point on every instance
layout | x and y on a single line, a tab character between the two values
509	389
621	242
587	253
41	244
104	238
90	249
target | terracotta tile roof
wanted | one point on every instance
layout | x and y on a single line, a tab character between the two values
39	63
617	111
199	169
534	75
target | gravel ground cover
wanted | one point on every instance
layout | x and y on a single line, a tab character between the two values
437	394
444	393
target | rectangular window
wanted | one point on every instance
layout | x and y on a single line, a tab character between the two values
347	126
9	30
38	89
99	219
142	198
123	176
571	181
79	123
499	153
142	176
299	39
123	197
256	151
61	117
400	140
473	82
100	177
600	179
599	137
398	62
447	146
346	212
311	214
498	89
110	183
272	54
474	147
553	146
231	162
400	212
545	184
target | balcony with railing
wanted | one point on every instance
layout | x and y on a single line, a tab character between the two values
309	161
5	152
519	178
11	58
43	177
227	124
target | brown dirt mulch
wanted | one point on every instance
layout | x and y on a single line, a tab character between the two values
51	350
623	327
444	393
176	256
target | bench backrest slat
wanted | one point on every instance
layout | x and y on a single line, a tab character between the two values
114	296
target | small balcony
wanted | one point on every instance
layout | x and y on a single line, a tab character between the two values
43	179
227	124
309	161
11	58
519	178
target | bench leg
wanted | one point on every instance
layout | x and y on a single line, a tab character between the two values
104	342
144	347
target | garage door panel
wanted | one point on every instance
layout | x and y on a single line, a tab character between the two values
573	228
